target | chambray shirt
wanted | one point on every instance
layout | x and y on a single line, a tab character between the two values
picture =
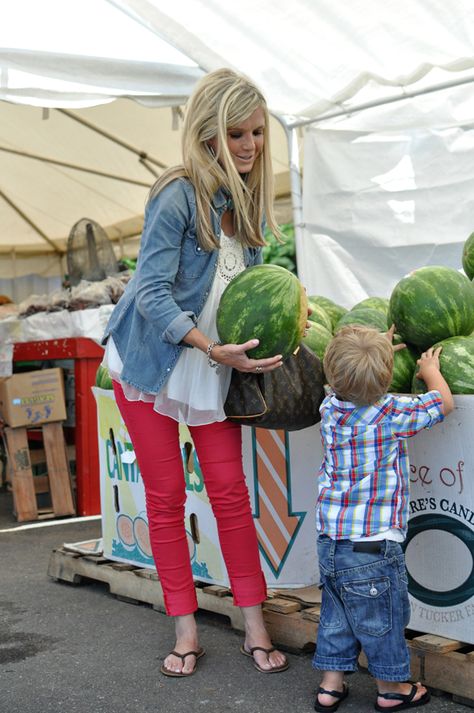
170	286
364	476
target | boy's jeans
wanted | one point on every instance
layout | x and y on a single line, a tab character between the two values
364	605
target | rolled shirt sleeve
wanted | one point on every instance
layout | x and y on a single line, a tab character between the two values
414	414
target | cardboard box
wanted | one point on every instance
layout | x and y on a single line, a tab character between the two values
33	397
282	485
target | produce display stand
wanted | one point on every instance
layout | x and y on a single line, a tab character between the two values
87	356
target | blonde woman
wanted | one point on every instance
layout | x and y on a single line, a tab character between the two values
203	225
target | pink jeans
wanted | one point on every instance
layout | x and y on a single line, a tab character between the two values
155	439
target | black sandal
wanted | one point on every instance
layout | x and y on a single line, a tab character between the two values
406	700
340	695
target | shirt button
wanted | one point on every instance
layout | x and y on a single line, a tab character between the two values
168	369
199	250
374	591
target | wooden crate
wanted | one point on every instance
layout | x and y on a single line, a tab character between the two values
291	616
57	481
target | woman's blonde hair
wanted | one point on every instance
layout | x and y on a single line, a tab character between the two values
222	100
358	364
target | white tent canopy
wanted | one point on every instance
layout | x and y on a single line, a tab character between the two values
314	60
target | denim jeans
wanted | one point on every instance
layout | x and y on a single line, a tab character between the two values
364	606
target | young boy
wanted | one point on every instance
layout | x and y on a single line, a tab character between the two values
362	515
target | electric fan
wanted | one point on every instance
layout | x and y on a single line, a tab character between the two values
90	255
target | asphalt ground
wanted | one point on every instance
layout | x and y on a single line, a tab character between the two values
78	649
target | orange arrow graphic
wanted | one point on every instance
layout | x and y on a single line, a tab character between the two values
276	524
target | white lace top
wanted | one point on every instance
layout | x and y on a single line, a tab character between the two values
194	393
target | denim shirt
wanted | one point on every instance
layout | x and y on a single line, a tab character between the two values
164	298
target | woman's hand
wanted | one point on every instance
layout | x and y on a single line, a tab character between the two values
234	355
308	322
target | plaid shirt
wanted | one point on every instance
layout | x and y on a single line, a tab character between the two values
364	476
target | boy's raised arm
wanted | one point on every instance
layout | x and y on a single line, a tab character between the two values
429	371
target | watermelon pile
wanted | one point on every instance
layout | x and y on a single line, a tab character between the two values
264	302
432	306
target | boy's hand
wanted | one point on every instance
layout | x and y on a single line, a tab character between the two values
428	362
389	334
431	374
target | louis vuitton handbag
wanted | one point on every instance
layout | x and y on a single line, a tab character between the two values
288	397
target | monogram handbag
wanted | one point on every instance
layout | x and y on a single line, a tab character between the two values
288	397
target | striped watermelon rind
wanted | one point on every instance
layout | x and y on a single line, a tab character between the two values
456	363
102	378
319	315
334	310
380	303
468	256
404	367
264	302
432	304
367	316
317	339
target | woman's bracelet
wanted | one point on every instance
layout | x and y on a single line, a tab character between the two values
213	364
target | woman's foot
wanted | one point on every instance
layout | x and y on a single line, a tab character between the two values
406	695
186	641
266	658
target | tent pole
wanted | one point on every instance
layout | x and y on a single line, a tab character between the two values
111	137
30	222
74	167
407	94
291	134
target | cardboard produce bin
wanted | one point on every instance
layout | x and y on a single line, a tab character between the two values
33	398
281	472
282	485
440	543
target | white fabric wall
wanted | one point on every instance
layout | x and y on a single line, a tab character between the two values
377	205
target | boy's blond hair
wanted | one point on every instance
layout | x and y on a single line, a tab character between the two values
358	364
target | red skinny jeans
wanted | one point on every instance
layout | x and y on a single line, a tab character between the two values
155	439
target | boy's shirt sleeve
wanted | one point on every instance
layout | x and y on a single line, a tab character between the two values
411	415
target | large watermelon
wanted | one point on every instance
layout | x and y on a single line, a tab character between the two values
102	378
432	304
264	302
456	363
317	339
334	310
319	315
468	256
368	316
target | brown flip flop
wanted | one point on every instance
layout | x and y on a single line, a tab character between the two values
179	674
276	669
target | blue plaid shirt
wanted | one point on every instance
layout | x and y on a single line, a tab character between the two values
364	476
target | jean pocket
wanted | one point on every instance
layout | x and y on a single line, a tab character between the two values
369	604
330	615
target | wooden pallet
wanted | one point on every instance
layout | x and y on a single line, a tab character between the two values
26	486
291	616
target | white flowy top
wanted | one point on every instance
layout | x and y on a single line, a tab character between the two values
194	393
